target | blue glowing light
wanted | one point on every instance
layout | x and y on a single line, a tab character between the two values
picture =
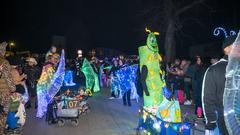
218	30
68	78
126	76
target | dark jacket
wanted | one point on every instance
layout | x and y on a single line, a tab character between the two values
113	71
212	94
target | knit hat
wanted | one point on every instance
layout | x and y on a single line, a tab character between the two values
228	41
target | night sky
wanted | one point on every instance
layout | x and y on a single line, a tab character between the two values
117	24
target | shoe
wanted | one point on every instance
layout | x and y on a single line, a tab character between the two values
187	102
129	105
200	117
124	104
111	98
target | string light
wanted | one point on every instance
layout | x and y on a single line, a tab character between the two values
92	80
49	84
217	31
166	125
155	125
68	78
126	76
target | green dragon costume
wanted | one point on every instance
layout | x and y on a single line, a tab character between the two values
149	65
92	81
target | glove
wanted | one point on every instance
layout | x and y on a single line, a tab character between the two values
147	92
211	126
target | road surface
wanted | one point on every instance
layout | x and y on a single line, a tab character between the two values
107	117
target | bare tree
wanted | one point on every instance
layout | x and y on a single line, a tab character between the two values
167	18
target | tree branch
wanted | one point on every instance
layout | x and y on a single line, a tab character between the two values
185	8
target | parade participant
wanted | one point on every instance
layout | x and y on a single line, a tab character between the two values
19	98
50	82
6	86
33	73
104	74
53	50
212	92
126	75
151	72
126	92
78	74
114	83
92	80
160	105
231	90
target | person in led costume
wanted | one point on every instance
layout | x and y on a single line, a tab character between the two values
126	77
150	71
92	81
114	80
50	82
231	98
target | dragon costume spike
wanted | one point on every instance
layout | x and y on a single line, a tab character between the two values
147	30
156	33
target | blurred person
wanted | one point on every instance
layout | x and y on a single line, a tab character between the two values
126	92
79	77
187	81
7	86
113	78
33	74
176	76
44	83
214	60
212	93
198	71
52	50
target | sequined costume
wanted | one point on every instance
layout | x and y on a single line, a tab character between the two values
6	86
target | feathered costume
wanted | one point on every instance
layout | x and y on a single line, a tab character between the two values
49	84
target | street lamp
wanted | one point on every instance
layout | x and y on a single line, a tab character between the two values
11	44
79	52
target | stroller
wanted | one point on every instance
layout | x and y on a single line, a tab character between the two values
66	109
70	107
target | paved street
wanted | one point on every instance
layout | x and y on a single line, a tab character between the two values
107	117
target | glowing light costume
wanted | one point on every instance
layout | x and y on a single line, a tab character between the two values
126	78
231	97
159	115
68	78
92	81
49	84
150	58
